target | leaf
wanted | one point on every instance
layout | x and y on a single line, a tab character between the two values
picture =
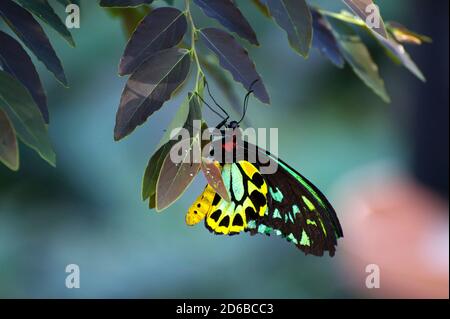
162	29
43	10
364	10
153	169
149	87
400	53
226	12
294	17
358	56
123	3
174	178
9	152
33	36
16	62
324	39
213	175
404	35
262	7
394	49
130	17
26	117
189	111
234	58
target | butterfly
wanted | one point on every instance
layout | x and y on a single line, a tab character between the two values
283	203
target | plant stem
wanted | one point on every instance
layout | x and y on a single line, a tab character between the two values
194	31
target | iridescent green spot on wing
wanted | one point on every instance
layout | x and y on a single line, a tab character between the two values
226	175
292	238
263	229
305	239
276	213
308	203
251	224
295	209
276	195
237	182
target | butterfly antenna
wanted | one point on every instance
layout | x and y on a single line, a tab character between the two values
210	107
247	96
214	100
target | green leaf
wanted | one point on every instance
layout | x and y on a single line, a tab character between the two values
294	17
358	56
234	58
162	29
25	116
229	15
395	50
149	87
16	61
183	118
123	3
33	36
364	10
43	10
9	152
162	176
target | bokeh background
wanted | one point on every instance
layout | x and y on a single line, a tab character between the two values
385	167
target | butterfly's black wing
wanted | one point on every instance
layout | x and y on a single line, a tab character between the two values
296	210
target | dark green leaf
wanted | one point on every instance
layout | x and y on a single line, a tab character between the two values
16	62
163	28
362	8
123	3
9	152
43	10
358	56
226	12
25	115
149	87
34	37
234	58
295	18
324	40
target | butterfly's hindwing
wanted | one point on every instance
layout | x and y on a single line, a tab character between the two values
248	194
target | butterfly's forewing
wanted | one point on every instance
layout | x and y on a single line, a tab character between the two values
296	210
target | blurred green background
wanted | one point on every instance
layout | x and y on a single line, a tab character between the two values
88	209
